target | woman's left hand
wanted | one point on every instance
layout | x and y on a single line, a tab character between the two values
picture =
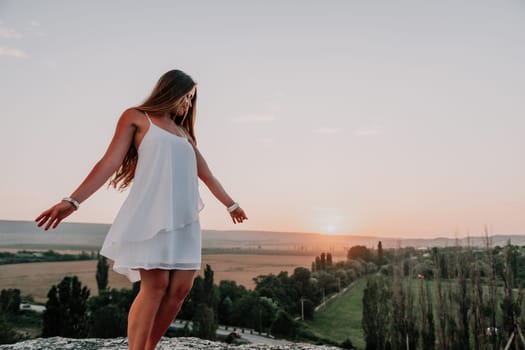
238	215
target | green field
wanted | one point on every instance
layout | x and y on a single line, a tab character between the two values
341	318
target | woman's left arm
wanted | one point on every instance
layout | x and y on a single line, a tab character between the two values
216	188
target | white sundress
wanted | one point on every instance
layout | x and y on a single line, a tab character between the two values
158	227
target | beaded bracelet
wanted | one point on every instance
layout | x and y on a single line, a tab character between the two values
233	207
75	203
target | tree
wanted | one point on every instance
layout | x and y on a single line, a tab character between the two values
195	297
245	312
342	277
404	331
304	286
376	312
323	261
359	252
10	301
327	282
229	292
510	306
428	335
267	310
7	334
204	325
203	302
284	325
210	291
203	292
479	321
9	306
109	321
491	300
380	255
281	289
441	301
225	311
66	308
463	298
102	273
52	315
108	313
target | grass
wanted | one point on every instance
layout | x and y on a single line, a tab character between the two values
341	318
27	323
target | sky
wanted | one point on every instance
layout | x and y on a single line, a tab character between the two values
389	118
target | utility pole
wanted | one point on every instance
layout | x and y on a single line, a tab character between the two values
260	318
302	308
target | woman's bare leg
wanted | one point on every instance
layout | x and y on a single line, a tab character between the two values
180	285
153	287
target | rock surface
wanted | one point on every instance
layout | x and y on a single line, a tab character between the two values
165	344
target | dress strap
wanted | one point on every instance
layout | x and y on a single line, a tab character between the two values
146	113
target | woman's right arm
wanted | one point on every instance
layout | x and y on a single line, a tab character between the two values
100	173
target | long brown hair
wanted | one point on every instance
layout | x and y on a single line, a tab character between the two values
167	93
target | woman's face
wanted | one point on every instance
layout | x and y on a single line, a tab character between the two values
184	104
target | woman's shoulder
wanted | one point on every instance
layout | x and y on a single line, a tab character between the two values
133	112
132	116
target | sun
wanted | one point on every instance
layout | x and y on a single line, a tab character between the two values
329	229
329	221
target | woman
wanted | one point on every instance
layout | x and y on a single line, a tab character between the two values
156	236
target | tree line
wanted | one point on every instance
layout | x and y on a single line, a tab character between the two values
447	298
27	256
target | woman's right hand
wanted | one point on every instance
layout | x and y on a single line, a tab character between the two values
238	215
101	172
54	215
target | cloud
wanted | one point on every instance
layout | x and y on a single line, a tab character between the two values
9	33
13	52
255	118
367	132
325	130
34	23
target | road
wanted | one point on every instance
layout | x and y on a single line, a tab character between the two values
249	335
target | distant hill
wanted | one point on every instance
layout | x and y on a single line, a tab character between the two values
84	236
25	234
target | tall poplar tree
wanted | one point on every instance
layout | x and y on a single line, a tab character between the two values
102	273
380	254
428	332
65	313
376	313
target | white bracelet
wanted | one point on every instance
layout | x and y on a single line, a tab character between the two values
233	207
75	203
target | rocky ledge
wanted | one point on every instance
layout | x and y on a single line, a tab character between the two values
58	343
